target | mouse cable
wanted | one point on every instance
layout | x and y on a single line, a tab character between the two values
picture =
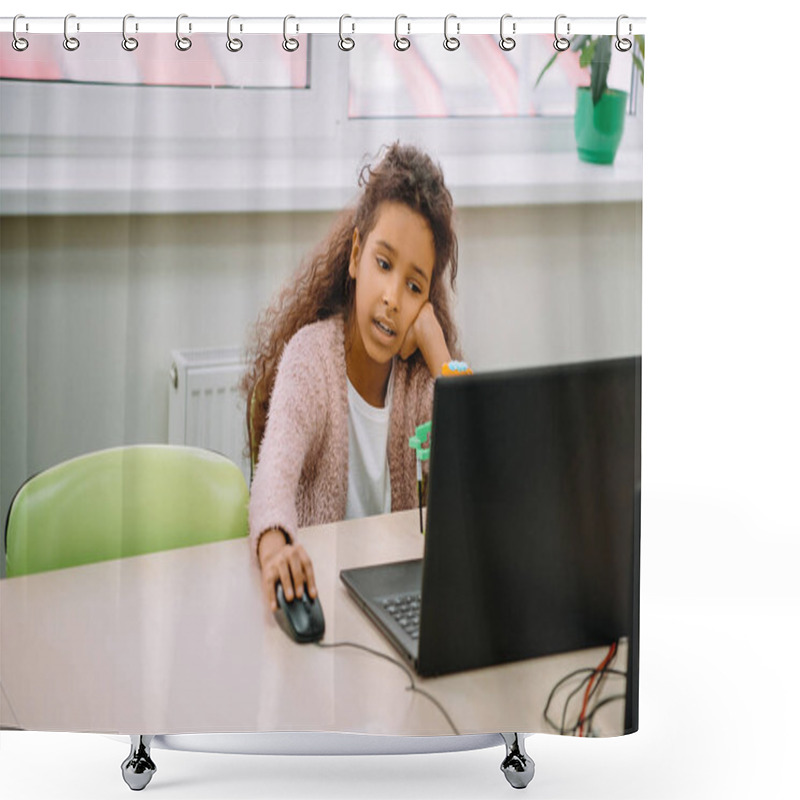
412	687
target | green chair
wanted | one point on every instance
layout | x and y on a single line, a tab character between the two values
122	502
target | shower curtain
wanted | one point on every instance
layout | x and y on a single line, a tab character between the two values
156	197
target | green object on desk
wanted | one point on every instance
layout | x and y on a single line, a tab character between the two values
122	502
417	442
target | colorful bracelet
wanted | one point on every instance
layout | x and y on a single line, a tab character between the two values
456	368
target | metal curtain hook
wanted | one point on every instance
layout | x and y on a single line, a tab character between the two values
401	42
507	42
623	45
182	42
70	42
561	44
451	42
345	42
289	44
18	43
128	42
234	45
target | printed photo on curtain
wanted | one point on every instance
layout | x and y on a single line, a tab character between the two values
321	361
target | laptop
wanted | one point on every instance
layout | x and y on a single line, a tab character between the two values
531	542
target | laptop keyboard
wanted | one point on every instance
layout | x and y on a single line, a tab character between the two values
404	608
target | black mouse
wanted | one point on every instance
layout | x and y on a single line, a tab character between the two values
302	619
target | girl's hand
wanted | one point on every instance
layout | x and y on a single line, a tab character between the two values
287	563
426	334
410	344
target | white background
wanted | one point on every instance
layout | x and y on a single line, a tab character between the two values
719	705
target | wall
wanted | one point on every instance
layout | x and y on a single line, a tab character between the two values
90	307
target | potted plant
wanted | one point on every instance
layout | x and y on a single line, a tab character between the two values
599	111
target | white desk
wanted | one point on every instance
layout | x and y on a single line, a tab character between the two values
182	642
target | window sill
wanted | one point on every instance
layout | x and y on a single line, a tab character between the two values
64	185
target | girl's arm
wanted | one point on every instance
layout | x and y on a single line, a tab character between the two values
426	334
290	434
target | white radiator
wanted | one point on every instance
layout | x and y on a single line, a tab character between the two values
205	406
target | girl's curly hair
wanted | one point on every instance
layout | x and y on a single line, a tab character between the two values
322	287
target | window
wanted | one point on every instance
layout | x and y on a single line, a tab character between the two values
157	62
103	130
477	80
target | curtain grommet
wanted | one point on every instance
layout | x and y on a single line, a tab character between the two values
233	45
346	43
507	42
183	43
451	43
561	44
17	42
129	43
290	44
623	44
71	43
401	43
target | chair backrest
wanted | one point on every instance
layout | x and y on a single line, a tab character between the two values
124	502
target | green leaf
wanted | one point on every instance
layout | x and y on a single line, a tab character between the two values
545	68
602	51
639	66
587	53
640	41
600	64
579	42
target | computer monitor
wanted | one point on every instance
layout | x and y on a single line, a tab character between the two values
532	521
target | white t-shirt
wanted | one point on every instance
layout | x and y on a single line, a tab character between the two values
369	489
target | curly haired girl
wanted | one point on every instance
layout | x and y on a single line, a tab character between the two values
343	365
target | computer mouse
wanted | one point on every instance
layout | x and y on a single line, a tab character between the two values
302	619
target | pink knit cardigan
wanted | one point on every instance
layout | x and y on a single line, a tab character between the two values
301	475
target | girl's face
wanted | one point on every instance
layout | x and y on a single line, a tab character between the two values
393	269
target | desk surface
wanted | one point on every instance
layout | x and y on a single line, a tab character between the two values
182	642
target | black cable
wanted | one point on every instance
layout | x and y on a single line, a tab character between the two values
583	670
605	701
569	698
563	680
413	685
550	722
594	690
580	686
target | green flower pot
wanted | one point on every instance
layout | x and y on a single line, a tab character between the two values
598	128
